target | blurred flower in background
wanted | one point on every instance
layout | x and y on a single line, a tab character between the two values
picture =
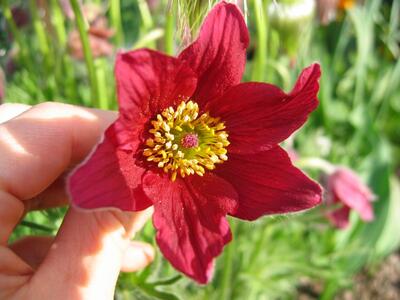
346	4
327	9
22	19
292	20
21	16
10	64
345	188
153	4
99	33
67	9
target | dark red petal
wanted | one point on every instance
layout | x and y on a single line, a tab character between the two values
149	81
125	135
109	178
340	217
189	215
351	191
218	56
258	116
268	183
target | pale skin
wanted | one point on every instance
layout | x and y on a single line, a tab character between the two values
38	146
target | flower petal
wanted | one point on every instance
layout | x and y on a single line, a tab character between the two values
110	177
340	217
349	189
149	81
258	116
218	56
189	215
268	183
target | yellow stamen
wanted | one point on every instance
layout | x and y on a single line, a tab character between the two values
184	143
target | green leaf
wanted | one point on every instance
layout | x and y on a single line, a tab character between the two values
389	239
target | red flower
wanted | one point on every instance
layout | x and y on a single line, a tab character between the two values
346	188
197	144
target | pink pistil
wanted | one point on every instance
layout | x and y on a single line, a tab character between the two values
190	140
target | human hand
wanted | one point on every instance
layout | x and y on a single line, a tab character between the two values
38	146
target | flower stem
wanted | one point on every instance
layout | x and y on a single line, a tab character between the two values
226	290
169	32
145	14
116	22
258	246
261	50
41	35
58	22
101	76
87	51
67	70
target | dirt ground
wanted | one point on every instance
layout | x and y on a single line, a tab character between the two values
380	284
384	284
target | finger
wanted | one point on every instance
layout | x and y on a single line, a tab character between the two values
53	196
37	146
137	256
14	273
32	249
11	211
16	268
11	110
93	246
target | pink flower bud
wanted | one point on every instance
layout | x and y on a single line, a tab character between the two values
346	188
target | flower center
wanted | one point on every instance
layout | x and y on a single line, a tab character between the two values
185	143
190	140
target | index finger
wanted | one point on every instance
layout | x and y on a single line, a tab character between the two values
37	146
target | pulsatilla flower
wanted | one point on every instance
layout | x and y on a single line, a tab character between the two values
199	145
345	188
292	20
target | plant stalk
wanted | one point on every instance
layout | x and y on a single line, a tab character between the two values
87	51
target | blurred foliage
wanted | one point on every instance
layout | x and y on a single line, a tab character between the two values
357	124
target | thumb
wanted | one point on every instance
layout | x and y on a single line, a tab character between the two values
85	260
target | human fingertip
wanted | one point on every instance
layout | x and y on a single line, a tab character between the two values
137	256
